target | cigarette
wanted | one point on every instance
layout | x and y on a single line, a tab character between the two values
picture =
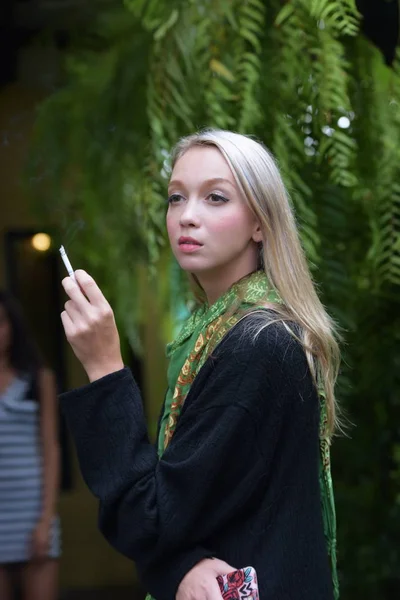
66	262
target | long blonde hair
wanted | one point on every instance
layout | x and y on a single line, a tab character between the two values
281	253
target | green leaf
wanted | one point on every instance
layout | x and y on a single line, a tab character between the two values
285	13
165	27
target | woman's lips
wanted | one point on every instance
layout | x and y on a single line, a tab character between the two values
189	247
188	244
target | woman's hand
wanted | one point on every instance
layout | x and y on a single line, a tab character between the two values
200	583
41	541
90	328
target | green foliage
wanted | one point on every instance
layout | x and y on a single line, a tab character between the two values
301	78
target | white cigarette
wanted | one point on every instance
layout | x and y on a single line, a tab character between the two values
66	262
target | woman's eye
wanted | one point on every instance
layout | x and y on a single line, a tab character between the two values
174	198
214	198
218	198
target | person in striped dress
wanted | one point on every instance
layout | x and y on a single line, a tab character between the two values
29	462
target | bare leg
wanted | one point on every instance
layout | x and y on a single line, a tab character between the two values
5	585
40	580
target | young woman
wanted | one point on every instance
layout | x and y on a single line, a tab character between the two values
241	475
29	462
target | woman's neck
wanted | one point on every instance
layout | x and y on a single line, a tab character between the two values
216	284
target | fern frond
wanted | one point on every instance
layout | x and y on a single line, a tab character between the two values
341	16
337	146
251	19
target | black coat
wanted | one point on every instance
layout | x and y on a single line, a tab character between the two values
238	481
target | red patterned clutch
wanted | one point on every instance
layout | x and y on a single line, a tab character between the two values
239	585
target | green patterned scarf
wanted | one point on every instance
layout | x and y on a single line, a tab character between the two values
199	336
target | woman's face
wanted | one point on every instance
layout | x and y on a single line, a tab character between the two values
205	204
5	331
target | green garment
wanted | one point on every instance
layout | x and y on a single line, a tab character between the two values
204	329
174	368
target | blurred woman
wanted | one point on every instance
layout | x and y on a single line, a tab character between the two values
29	462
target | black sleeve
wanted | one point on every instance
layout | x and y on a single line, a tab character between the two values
151	509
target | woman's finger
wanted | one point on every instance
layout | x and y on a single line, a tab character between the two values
214	593
222	567
73	313
68	325
73	290
91	289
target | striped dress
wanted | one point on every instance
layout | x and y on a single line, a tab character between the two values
21	475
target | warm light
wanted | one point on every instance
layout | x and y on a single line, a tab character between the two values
41	242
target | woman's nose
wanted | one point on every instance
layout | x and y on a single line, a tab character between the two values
189	215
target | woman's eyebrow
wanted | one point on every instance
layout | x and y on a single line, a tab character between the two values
218	180
178	183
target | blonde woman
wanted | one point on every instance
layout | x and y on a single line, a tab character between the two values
240	475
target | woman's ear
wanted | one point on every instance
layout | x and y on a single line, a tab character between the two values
257	234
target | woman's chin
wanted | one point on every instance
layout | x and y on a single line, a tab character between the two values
191	269
197	265
190	264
